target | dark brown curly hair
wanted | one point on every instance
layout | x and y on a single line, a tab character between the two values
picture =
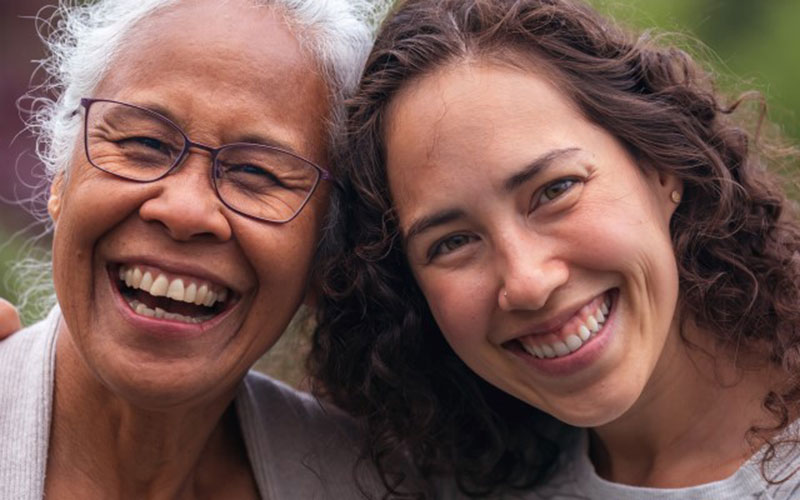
378	352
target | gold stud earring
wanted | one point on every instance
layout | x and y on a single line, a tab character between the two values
675	196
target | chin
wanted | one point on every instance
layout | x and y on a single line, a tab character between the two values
157	386
586	411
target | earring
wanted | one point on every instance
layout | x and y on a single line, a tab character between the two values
505	294
675	196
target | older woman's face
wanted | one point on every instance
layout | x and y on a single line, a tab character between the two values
542	248
225	73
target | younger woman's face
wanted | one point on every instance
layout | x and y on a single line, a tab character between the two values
542	248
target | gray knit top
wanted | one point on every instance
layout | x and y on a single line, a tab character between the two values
576	479
298	448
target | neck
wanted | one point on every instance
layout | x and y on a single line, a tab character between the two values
103	447
690	425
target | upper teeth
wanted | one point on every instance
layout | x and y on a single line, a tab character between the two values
158	284
572	342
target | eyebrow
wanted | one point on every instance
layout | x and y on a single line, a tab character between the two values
267	141
250	138
158	109
449	215
436	219
534	167
123	113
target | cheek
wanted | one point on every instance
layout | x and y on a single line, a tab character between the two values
638	249
623	237
281	260
84	216
92	201
91	207
458	302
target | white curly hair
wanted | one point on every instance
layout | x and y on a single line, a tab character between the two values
83	39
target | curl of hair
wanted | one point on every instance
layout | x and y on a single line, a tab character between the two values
378	352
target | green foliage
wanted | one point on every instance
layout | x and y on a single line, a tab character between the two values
25	272
8	252
752	43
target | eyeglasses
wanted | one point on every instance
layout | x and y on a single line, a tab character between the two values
259	181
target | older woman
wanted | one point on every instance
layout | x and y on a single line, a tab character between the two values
189	148
554	226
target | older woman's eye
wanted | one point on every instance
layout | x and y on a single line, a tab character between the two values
145	142
450	244
554	190
149	142
252	178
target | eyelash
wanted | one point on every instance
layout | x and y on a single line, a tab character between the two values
537	199
438	247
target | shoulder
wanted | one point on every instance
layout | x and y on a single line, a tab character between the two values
301	447
560	484
577	479
283	406
26	387
781	473
565	481
27	351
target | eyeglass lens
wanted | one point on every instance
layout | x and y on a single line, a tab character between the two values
140	145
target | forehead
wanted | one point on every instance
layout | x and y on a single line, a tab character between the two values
234	60
474	118
455	97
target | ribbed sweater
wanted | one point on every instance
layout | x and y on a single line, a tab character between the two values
298	447
27	365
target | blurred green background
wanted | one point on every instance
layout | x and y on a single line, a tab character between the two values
748	43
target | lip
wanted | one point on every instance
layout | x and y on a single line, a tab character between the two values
580	359
163	328
183	268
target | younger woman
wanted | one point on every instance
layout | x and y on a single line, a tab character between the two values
553	226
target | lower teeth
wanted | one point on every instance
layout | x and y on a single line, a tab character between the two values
143	310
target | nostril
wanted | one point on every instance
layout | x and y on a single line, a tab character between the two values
186	210
160	225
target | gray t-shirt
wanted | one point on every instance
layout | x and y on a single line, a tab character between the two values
298	447
576	479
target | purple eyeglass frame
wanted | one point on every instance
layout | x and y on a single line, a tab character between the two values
86	103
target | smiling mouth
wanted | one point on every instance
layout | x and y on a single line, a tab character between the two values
155	293
573	335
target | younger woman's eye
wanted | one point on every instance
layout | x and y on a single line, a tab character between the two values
554	190
449	244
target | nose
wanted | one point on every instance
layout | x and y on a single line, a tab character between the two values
530	271
186	205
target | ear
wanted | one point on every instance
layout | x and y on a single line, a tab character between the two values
668	190
56	195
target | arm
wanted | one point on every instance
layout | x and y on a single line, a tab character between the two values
9	319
